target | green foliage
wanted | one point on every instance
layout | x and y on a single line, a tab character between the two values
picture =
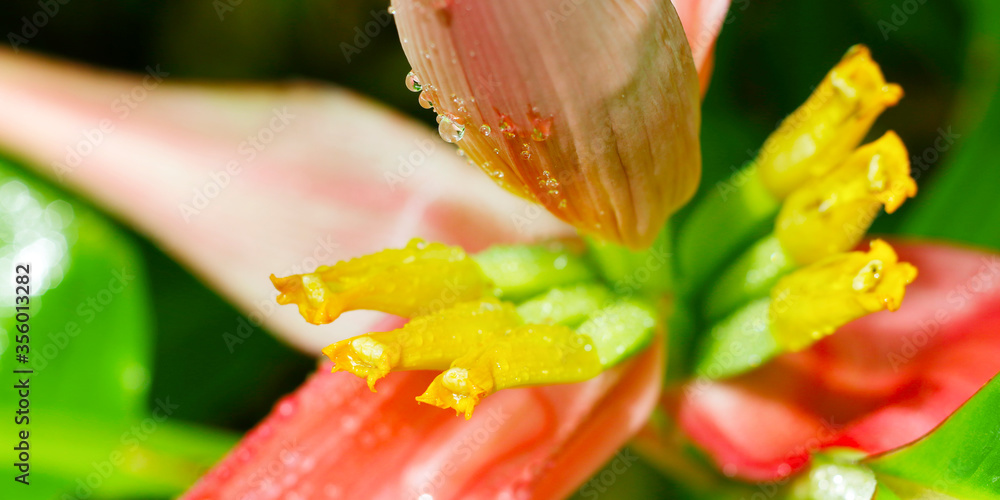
93	424
961	458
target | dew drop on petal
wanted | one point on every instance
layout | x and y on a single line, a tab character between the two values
425	100
449	130
507	127
412	82
485	130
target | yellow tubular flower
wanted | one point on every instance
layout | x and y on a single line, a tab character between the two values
831	123
831	214
425	343
528	355
814	301
412	281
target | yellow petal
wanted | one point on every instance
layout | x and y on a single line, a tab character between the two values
412	281
528	355
815	301
832	122
427	343
831	214
593	113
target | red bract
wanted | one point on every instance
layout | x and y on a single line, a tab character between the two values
333	438
877	384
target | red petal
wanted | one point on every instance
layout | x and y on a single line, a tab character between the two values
879	383
334	437
343	177
702	21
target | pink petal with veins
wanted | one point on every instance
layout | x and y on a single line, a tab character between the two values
590	108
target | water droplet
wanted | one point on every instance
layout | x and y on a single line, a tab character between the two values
449	129
391	10
485	130
868	277
286	408
507	127
542	126
412	82
426	99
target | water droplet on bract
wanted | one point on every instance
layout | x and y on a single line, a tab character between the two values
286	408
485	130
507	127
391	10
449	130
425	99
412	82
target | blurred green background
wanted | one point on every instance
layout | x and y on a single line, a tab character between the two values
770	55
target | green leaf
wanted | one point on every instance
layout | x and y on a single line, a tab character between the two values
90	428
961	458
960	203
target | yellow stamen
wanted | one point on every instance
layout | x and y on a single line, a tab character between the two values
830	215
426	343
831	123
416	280
814	301
527	355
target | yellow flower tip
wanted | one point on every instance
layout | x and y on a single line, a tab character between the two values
889	172
829	125
831	214
413	281
316	302
859	71
460	389
365	357
815	301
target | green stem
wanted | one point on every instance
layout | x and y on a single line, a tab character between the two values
629	272
567	306
739	210
751	276
739	343
520	272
